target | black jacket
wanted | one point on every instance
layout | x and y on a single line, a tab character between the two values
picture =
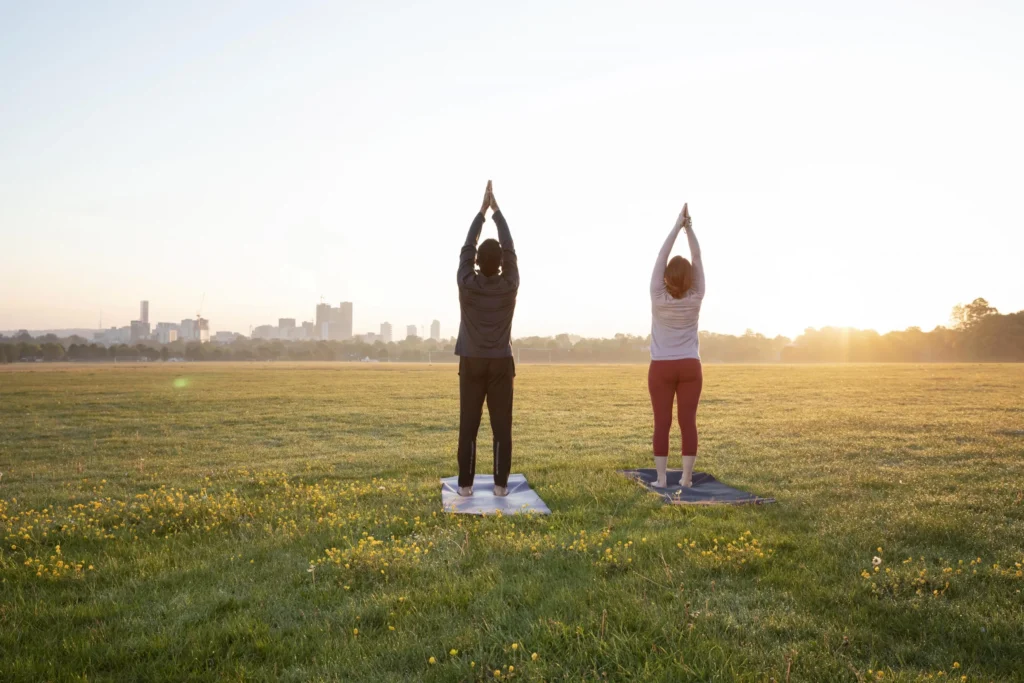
487	303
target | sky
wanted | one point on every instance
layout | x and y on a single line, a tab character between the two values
853	164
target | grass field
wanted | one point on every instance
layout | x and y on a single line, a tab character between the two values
282	522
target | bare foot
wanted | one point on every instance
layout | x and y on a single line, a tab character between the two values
687	483
465	491
501	491
661	483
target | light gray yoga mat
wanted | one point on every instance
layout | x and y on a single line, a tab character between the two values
520	498
706	490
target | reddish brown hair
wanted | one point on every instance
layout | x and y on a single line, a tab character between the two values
678	277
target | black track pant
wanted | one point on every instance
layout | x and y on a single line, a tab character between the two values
489	378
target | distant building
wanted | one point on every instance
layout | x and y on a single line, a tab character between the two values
435	330
166	332
194	330
369	338
344	318
410	331
139	330
265	332
225	337
334	323
309	330
144	312
114	335
323	319
385	332
286	323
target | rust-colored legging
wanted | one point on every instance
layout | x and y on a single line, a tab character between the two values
668	380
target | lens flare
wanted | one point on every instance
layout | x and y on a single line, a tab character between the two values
180	382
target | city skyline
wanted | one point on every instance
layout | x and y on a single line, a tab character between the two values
332	323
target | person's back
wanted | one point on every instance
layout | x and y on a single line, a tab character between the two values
674	322
487	300
677	291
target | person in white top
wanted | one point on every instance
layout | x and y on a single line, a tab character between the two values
677	291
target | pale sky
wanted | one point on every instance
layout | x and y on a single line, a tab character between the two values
845	163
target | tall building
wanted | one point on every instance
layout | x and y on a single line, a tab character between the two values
286	324
204	330
435	330
187	330
410	331
144	312
323	319
345	317
334	323
385	332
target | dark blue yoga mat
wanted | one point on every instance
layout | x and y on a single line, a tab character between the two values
706	490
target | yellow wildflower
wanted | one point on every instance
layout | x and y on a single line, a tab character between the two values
534	656
432	661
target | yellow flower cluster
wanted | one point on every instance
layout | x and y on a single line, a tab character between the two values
742	551
916	579
372	558
55	566
266	503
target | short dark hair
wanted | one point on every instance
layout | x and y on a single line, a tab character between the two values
488	257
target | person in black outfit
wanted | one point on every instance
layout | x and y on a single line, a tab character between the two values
487	299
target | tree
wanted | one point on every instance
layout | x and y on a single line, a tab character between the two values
967	316
52	351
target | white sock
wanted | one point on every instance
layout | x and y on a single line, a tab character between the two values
661	464
688	461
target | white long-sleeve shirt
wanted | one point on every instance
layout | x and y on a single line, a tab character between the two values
674	321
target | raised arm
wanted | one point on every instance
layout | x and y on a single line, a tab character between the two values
467	257
509	262
695	260
658	276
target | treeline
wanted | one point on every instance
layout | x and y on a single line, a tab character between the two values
977	332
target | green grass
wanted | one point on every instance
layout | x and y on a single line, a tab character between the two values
202	495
